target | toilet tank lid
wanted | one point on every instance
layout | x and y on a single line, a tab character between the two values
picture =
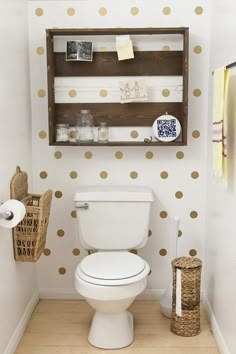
112	193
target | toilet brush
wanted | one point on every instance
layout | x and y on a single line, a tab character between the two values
166	299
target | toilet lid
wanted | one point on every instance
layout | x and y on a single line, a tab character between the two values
112	265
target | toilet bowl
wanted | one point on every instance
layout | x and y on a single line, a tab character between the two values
111	221
110	281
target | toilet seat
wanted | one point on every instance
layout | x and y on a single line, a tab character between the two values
112	268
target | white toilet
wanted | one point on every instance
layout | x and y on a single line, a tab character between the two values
112	220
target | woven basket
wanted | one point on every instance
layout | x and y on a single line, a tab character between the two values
188	324
29	235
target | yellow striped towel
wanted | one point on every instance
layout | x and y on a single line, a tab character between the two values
219	138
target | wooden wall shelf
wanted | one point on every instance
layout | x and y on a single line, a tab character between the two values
105	64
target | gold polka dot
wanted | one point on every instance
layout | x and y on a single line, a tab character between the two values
60	233
164	174
180	233
166	10
58	155
197	49
163	214
134	134
194	174
193	214
198	10
133	175
40	50
70	11
134	11
149	233
179	195
42	134
103	174
41	93
58	194
72	93
73	214
43	174
62	270
76	251
180	155
192	252
39	12
134	251
149	155
88	155
197	92
163	252
103	49
103	93
47	252
72	134
166	48
102	11
73	174
196	134
118	155
165	93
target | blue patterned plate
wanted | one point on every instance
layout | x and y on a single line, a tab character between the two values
166	128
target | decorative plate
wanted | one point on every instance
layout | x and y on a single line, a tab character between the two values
166	128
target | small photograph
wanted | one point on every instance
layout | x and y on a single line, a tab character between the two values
71	50
79	51
85	51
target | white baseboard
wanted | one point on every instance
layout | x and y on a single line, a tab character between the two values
154	294
59	294
16	337
71	294
214	326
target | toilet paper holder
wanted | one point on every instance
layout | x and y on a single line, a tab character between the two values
7	215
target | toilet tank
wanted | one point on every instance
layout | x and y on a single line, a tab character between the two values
113	218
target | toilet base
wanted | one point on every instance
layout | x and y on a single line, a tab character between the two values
111	331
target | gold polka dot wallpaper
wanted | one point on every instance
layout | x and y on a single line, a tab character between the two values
174	173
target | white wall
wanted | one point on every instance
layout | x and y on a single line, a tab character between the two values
59	262
220	260
18	280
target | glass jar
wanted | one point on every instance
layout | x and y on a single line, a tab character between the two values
78	126
86	126
62	131
103	132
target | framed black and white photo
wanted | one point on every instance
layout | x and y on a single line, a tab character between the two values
79	51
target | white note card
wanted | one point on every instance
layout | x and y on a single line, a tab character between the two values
124	47
178	293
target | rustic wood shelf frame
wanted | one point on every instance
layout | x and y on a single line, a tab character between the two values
145	63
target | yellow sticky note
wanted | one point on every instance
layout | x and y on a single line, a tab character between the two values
124	47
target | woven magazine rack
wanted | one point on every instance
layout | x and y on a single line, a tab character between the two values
188	324
29	236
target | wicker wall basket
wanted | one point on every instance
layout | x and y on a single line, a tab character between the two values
188	324
29	236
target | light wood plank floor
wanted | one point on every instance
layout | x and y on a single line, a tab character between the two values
61	327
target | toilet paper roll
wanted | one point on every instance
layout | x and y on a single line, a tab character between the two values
18	210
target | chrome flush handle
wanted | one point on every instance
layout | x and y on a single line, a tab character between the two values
83	206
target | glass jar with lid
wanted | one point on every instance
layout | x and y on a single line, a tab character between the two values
62	132
103	132
86	122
